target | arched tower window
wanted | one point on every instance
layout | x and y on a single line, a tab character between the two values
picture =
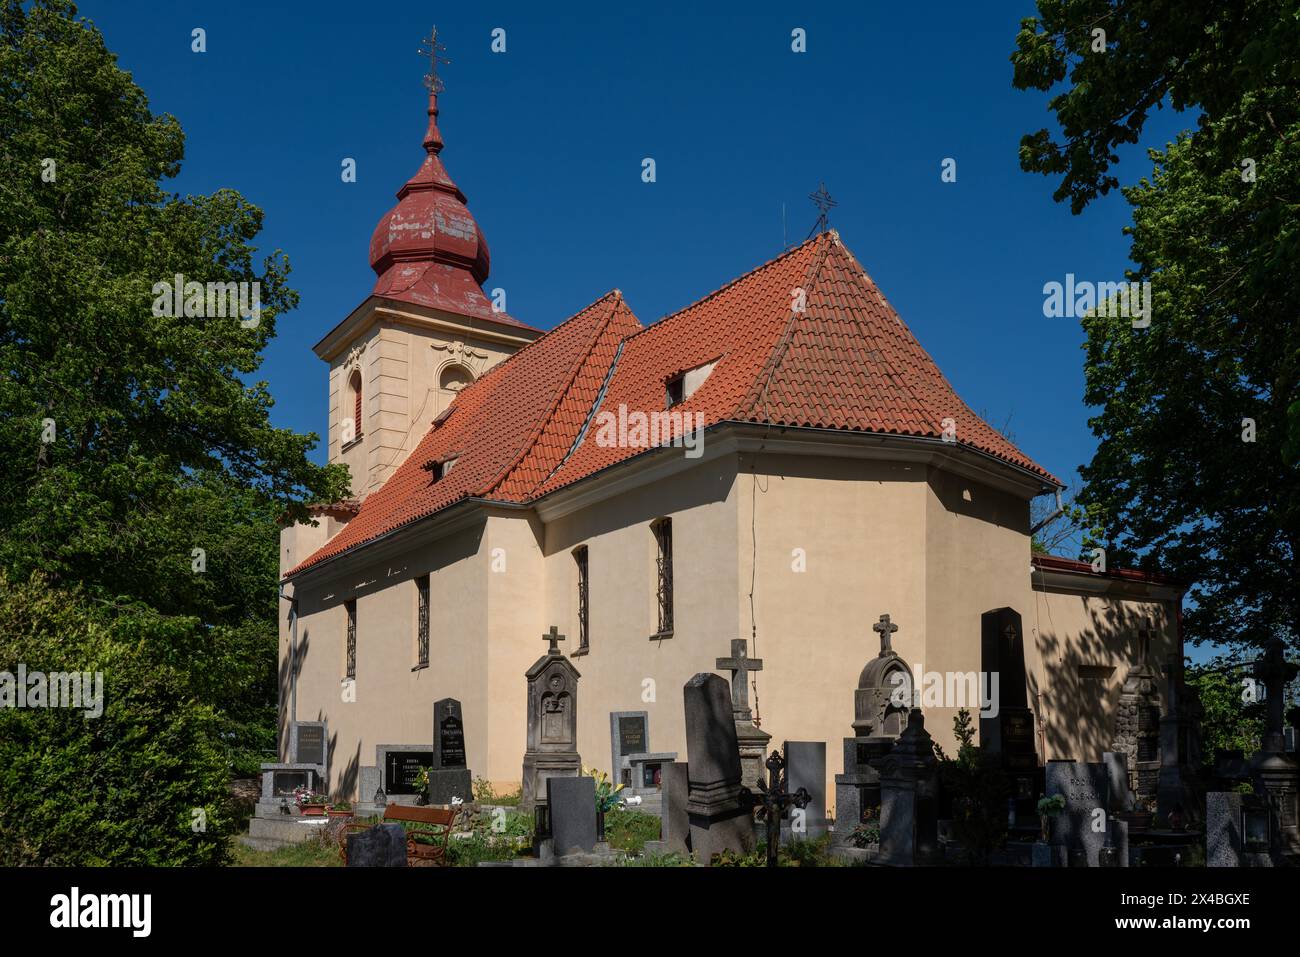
451	380
354	391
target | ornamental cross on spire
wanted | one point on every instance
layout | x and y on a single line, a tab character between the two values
884	628
823	201
431	48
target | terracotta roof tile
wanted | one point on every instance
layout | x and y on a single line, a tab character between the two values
846	361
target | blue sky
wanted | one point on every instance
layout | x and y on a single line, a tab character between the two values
547	141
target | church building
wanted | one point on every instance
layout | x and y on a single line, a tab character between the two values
780	462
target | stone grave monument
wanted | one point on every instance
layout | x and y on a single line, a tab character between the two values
881	703
909	812
750	739
449	776
552	737
718	806
805	768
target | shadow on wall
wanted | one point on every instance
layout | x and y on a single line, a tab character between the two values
347	784
1082	708
286	693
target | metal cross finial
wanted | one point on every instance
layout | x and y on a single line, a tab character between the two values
885	628
431	48
823	201
553	636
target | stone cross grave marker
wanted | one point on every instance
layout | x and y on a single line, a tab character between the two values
884	628
740	665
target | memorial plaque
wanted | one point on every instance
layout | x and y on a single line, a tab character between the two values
284	782
451	742
401	768
311	744
631	735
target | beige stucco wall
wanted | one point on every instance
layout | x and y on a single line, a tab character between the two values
1072	629
832	543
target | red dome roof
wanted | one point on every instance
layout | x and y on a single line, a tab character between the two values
428	249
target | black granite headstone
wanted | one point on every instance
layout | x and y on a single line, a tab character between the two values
402	768
383	845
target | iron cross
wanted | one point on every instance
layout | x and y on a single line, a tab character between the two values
822	200
885	628
553	636
740	665
433	50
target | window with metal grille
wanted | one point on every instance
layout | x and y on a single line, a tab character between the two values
422	633
580	560
351	607
663	532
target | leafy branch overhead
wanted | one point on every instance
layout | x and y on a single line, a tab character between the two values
1197	416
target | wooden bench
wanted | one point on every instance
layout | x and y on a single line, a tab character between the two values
427	833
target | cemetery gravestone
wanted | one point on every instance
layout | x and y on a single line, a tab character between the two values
400	766
805	767
1011	732
719	817
572	806
1086	790
908	794
383	845
449	777
881	703
628	734
675	830
552	734
751	740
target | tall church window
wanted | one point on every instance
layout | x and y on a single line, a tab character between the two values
351	433
584	609
422	626
351	607
663	532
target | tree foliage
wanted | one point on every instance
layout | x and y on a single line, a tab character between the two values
132	439
1196	467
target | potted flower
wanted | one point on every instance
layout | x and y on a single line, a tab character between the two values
1048	808
1139	819
310	804
606	798
422	786
339	809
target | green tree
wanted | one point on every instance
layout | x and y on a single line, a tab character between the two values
144	783
142	472
1181	480
1232	721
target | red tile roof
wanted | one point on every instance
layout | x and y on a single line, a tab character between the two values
506	431
846	361
1060	564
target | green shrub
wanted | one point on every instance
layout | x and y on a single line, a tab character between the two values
142	784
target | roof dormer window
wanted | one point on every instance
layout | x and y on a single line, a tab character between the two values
683	385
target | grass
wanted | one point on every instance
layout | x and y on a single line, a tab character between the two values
629	830
306	854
